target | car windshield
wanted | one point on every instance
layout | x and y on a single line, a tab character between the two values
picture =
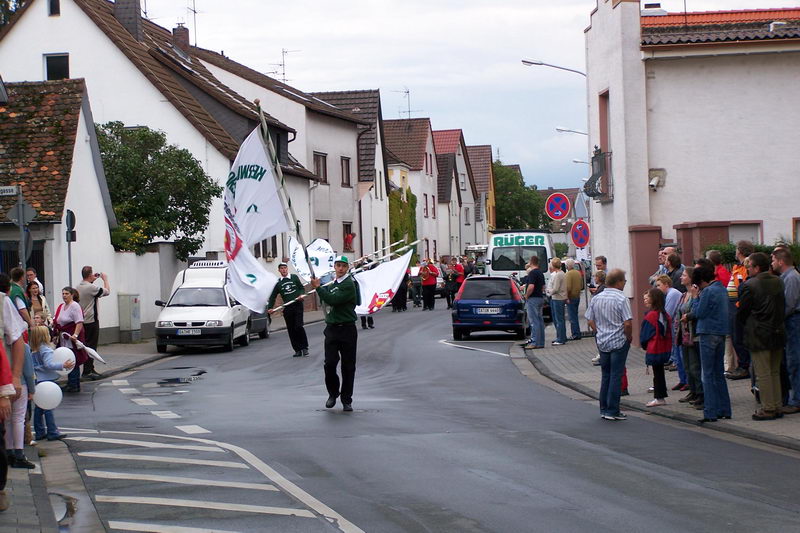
485	289
516	257
198	297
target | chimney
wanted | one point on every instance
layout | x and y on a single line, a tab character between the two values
180	37
653	9
129	14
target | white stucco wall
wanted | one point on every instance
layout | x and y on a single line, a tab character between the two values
468	229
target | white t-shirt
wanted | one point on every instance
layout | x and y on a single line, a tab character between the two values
13	325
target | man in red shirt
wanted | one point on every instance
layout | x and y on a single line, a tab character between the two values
428	273
723	275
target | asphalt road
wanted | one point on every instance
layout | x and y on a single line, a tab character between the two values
442	439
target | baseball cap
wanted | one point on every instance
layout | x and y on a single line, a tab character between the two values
342	259
281	264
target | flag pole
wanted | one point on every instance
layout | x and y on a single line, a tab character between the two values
378	251
286	201
353	271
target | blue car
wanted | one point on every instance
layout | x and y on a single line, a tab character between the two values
489	303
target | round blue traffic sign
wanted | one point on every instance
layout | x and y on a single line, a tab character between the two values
557	206
580	233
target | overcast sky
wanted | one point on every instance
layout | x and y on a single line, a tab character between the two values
460	60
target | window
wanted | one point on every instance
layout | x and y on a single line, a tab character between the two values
348	235
426	163
321	166
266	248
323	229
380	185
434	248
425	206
745	231
466	216
346	172
54	7
383	238
462	181
433	206
56	66
375	239
427	249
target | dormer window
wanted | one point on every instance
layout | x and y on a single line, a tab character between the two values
54	8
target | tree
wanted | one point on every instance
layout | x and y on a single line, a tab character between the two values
403	217
7	8
158	191
517	205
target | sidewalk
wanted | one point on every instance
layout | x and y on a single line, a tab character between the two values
570	365
30	509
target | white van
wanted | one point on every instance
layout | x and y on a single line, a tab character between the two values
200	312
509	252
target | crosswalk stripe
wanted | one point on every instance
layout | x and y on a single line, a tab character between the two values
166	414
129	391
148	444
143	401
180	480
162	459
192	430
120	382
200	504
158	528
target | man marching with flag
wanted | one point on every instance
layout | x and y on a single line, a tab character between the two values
291	290
341	335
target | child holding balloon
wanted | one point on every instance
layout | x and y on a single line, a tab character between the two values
47	370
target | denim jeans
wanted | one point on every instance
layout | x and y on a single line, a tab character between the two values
74	377
717	402
677	358
612	364
534	307
572	311
557	308
793	357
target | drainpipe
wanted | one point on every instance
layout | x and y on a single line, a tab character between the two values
358	180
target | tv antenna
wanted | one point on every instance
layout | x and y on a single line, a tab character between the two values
407	92
282	64
193	11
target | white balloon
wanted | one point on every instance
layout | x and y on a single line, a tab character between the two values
48	395
62	355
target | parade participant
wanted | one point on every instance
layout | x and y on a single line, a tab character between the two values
367	321
341	336
428	273
290	288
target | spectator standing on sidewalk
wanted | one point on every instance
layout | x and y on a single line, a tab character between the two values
610	317
738	276
32	277
662	260
574	280
688	342
291	288
711	311
672	303
722	274
90	293
761	314
783	263
600	265
674	270
558	300
534	301
17	295
655	337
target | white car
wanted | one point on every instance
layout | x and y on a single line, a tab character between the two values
200	311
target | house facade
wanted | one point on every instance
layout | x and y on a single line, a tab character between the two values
480	160
414	166
693	116
449	219
452	142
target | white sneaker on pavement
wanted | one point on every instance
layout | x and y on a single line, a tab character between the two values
657	402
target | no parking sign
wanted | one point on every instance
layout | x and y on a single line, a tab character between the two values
580	233
557	206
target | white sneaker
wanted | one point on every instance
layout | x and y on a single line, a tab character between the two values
656	403
596	360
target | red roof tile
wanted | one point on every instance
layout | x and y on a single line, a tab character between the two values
37	139
407	140
722	17
446	141
480	159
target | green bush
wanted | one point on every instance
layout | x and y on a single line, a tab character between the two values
728	251
561	249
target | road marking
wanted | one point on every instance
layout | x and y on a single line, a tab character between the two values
129	391
180	480
166	414
148	444
158	528
444	341
200	504
143	401
192	430
79	430
151	385
120	382
162	459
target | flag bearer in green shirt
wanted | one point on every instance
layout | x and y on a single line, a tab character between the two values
290	288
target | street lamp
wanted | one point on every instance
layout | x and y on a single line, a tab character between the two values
581	161
567	130
538	63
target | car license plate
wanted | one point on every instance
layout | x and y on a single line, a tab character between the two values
188	332
487	310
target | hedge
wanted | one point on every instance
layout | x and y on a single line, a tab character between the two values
728	251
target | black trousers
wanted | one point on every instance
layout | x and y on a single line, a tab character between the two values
428	296
659	382
92	333
340	343
293	316
367	321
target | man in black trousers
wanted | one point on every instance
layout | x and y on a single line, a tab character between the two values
291	288
341	336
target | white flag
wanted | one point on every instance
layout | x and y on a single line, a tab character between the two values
248	282
320	254
251	194
378	285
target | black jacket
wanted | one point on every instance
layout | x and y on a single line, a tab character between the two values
761	312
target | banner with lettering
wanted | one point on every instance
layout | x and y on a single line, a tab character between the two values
379	284
251	193
248	282
320	253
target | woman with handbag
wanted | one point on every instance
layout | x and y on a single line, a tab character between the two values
69	320
688	341
656	340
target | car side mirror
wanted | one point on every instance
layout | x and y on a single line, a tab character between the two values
160	303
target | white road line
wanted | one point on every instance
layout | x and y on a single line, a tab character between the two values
120	382
143	401
158	528
162	459
148	444
443	341
192	430
200	504
79	430
129	391
180	480
166	414
151	385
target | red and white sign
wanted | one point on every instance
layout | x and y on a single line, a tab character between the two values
557	206
580	233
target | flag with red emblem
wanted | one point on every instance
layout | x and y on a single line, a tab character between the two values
379	284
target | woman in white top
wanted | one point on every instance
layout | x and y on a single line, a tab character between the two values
69	320
557	290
